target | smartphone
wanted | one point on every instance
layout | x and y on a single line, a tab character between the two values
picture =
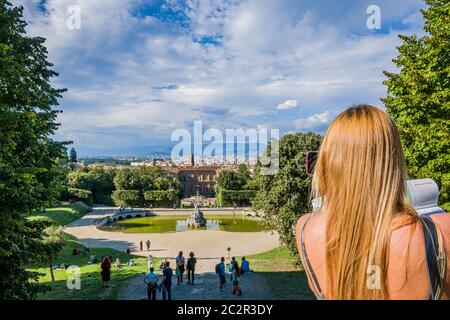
311	159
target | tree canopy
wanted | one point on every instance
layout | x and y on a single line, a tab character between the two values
282	198
419	98
29	158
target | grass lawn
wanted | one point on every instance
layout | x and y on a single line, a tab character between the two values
63	214
161	224
285	280
91	289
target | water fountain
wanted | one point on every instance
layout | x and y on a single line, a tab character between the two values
196	219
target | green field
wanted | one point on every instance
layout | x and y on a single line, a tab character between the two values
62	215
161	224
285	280
91	287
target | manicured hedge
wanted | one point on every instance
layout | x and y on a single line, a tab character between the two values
131	198
240	197
161	198
159	195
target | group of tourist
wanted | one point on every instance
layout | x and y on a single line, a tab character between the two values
159	283
235	270
163	283
183	266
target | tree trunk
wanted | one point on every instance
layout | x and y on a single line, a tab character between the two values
52	276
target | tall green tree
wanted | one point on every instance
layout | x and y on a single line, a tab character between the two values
73	155
54	241
285	196
230	180
243	173
28	156
419	98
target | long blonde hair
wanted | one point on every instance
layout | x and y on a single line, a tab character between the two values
360	176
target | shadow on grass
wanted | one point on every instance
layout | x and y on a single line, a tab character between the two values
288	285
120	245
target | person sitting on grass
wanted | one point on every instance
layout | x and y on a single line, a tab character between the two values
245	266
93	259
117	264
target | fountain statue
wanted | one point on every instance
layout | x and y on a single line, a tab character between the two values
196	219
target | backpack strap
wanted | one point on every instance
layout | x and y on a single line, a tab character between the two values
435	255
311	275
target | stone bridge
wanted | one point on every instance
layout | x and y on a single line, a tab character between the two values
120	215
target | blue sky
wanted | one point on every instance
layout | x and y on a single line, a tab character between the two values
138	70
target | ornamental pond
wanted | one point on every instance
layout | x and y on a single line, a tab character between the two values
177	223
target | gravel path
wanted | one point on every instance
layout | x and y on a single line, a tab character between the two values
253	287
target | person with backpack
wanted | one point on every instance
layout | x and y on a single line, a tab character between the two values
151	281
167	283
192	261
366	241
220	271
235	279
233	265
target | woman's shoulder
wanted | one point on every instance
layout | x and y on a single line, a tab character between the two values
442	221
316	224
408	233
405	224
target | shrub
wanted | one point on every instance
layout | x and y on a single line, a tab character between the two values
240	197
130	198
81	195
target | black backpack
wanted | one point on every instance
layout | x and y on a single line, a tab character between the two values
435	256
191	263
218	268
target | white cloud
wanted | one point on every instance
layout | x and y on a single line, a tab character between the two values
288	104
318	121
318	52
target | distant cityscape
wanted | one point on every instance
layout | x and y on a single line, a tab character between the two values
197	175
165	161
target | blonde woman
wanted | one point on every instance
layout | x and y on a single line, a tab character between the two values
367	241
